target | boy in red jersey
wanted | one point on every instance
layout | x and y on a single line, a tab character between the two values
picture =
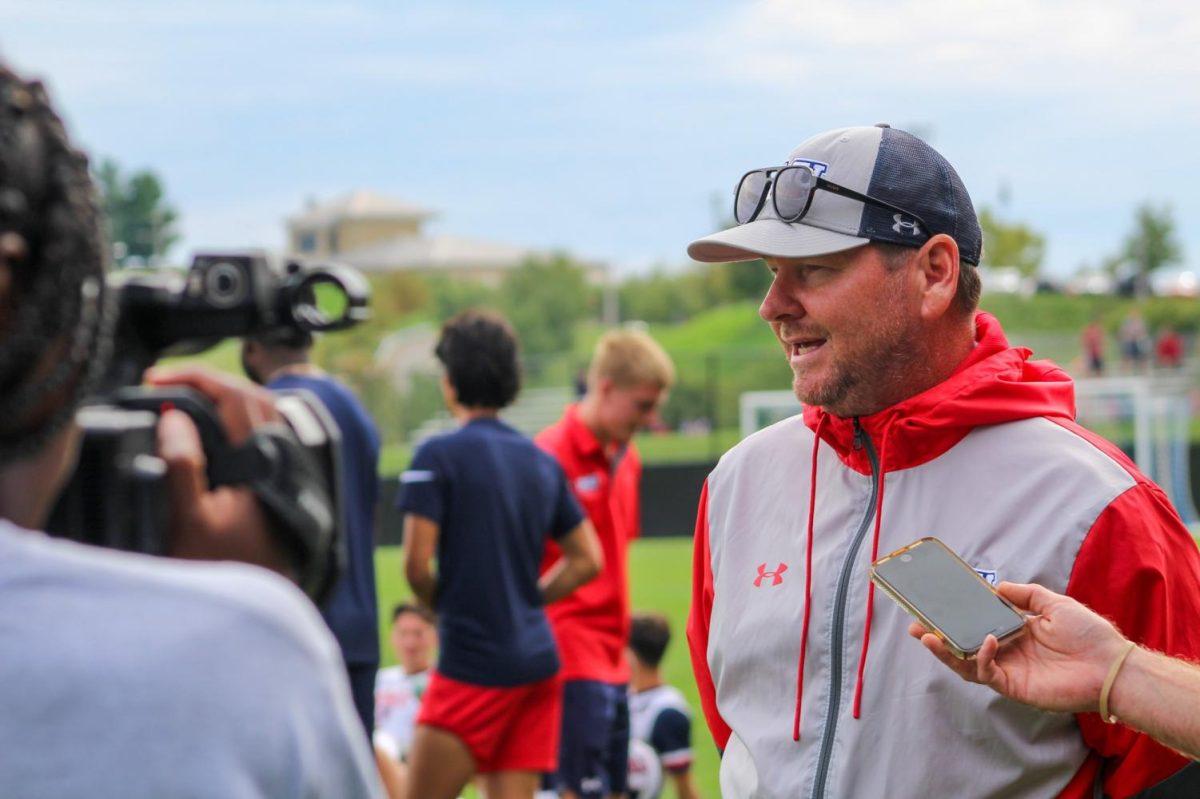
627	381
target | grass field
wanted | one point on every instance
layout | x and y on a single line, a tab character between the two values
660	574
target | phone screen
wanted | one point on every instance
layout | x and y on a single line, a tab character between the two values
941	586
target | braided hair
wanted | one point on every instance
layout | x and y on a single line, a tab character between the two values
55	320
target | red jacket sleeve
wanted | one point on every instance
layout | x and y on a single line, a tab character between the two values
698	620
1139	567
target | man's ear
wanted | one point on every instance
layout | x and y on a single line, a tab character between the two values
938	266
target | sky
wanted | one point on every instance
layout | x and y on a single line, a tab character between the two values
616	130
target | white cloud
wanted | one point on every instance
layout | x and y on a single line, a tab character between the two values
1033	93
238	52
1017	47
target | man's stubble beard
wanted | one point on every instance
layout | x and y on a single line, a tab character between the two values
870	380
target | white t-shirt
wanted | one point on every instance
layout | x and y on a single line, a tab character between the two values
139	677
397	701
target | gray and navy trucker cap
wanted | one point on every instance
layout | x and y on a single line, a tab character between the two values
881	161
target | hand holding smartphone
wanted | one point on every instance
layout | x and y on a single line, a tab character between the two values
947	596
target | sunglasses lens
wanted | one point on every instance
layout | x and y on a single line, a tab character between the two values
750	195
793	188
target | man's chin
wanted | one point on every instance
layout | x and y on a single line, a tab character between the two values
807	393
822	396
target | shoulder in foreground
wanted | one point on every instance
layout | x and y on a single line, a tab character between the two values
783	435
203	593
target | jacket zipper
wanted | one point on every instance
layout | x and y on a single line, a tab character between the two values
837	632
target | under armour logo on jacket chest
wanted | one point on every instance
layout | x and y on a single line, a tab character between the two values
776	575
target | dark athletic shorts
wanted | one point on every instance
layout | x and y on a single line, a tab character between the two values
593	758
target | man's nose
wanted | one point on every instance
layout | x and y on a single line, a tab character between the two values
782	300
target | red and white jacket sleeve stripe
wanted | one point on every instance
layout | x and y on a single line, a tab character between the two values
1149	586
698	623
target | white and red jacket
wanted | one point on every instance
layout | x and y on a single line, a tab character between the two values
811	685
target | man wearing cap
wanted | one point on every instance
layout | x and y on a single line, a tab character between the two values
919	419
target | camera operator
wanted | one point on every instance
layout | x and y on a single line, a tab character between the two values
280	360
128	675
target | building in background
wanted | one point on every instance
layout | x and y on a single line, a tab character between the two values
376	233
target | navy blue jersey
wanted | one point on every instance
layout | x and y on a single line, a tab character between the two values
351	611
496	497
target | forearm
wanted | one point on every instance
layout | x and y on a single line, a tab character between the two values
423	583
1160	696
562	578
581	561
420	553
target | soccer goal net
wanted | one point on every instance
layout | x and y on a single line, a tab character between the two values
1150	417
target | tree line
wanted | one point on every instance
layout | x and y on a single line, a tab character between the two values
544	296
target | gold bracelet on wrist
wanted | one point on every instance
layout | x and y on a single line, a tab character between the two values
1113	670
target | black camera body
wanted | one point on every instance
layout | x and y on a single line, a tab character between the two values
221	296
117	496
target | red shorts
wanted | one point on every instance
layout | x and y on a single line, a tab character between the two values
511	728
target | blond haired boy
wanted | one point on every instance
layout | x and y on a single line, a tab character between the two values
629	377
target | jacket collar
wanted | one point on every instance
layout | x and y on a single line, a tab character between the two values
996	383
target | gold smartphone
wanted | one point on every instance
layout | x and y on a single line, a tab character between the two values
947	596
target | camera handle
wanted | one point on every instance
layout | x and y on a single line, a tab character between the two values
283	475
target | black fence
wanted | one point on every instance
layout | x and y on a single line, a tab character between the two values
675	489
669	496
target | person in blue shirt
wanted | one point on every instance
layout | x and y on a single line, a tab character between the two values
281	360
482	500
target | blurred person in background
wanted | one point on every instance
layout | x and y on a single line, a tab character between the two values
483	501
399	689
628	380
919	418
1135	342
1093	341
124	674
1072	660
658	713
579	383
282	360
1168	349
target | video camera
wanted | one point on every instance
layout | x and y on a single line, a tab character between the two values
117	496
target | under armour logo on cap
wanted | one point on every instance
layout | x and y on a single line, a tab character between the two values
907	226
776	576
